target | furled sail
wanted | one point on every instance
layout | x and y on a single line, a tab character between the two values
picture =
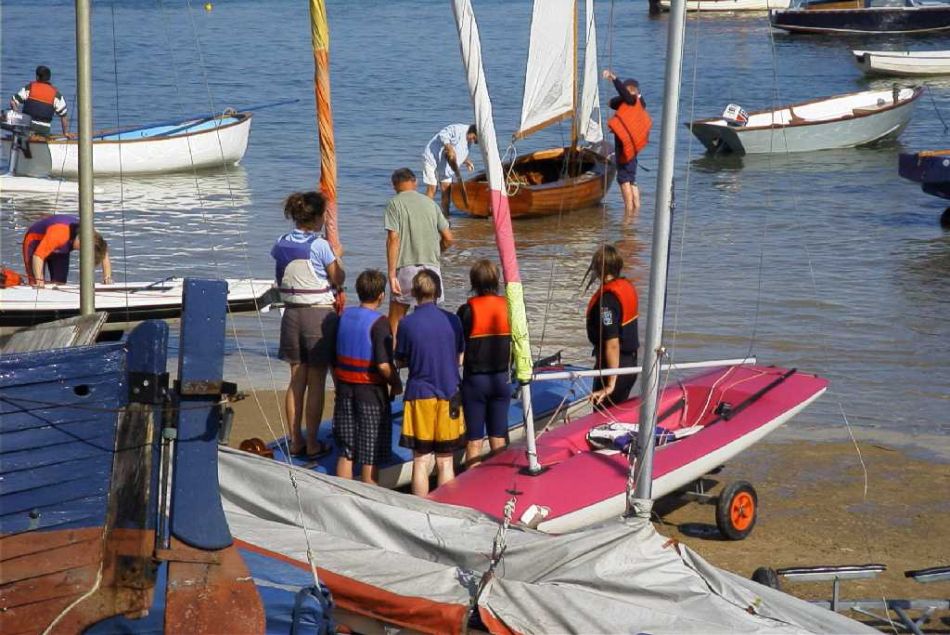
589	118
320	37
549	77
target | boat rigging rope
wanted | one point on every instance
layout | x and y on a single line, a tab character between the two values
118	125
933	101
498	549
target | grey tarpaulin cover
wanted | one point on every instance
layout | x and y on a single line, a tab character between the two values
396	549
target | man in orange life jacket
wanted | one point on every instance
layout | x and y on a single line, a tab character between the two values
612	325
40	100
366	381
631	127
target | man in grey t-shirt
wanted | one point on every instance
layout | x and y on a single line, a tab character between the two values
416	235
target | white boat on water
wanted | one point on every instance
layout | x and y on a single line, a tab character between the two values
729	5
199	142
840	121
125	304
903	63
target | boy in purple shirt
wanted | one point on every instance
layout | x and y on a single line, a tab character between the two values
430	344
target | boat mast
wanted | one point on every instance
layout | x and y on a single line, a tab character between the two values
470	47
87	256
640	504
320	38
574	93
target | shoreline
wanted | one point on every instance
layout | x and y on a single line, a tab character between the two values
813	507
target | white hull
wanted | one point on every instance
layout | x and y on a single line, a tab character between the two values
209	147
125	304
903	63
674	480
10	184
844	121
729	5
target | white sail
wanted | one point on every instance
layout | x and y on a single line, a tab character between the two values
589	118
549	76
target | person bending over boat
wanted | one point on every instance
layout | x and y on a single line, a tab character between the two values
612	325
40	100
443	156
631	127
486	393
47	245
307	273
366	381
416	236
430	343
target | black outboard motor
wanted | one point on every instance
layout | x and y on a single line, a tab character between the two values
20	127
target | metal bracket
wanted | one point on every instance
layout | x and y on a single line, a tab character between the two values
150	388
199	388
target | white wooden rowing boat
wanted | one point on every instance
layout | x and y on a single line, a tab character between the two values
729	5
173	147
125	304
841	121
903	63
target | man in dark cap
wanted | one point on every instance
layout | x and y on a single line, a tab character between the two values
40	100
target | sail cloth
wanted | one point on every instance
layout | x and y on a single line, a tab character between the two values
589	117
470	47
413	562
549	76
320	39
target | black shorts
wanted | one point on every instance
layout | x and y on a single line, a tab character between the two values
308	335
627	172
362	423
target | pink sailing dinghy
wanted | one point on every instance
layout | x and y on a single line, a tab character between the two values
704	421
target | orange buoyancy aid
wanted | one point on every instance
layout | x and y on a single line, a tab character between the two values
488	343
632	126
626	294
40	104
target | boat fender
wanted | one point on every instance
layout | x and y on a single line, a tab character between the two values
735	115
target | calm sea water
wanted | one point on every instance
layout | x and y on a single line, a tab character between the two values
827	262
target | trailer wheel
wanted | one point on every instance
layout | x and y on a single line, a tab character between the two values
736	510
766	576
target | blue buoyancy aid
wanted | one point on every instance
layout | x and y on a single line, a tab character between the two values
299	282
354	347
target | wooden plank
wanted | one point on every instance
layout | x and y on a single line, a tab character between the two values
64	364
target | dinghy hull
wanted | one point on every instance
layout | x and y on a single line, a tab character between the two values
903	63
930	169
538	189
723	6
843	121
581	486
909	19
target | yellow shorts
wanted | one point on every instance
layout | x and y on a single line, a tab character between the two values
428	427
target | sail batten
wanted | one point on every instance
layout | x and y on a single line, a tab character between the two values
549	75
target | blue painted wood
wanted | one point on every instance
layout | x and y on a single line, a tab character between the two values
197	516
50	366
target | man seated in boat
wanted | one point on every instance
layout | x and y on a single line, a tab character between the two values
442	157
47	245
612	325
631	127
41	100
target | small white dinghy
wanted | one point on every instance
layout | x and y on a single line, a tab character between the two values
125	304
177	146
903	63
840	121
723	6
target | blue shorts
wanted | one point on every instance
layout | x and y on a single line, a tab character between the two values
485	401
627	172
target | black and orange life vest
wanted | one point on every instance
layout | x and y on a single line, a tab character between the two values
488	343
354	347
632	126
626	295
39	105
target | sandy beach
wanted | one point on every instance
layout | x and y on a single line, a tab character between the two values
813	510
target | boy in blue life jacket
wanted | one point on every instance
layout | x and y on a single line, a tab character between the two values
366	382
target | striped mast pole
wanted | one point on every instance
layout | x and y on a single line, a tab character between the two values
320	37
470	47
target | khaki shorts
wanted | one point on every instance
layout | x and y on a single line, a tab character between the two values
308	335
405	275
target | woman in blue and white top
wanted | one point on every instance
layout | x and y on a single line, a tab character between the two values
307	273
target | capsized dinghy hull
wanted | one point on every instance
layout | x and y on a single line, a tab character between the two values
182	146
536	187
842	121
126	304
581	486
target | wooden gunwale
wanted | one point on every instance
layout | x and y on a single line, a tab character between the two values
918	91
61	140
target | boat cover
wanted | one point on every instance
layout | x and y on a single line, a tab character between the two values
417	563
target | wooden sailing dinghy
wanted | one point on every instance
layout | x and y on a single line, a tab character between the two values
840	121
903	63
555	179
